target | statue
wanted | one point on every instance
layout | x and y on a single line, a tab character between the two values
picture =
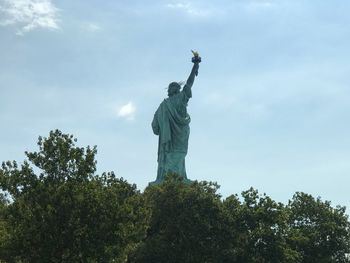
171	123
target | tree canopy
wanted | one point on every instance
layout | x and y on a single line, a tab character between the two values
54	208
66	213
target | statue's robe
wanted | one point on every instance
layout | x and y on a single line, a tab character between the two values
171	124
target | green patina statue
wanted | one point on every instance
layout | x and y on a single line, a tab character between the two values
171	123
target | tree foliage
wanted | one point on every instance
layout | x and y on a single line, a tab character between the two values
66	213
259	226
191	223
318	231
187	223
54	208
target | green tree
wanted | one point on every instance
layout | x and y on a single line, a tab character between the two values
57	210
190	223
187	224
3	224
62	212
318	231
259	225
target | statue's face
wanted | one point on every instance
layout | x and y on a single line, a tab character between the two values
173	88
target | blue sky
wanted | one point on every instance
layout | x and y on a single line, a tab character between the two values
270	107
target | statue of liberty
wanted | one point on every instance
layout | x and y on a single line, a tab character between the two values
171	123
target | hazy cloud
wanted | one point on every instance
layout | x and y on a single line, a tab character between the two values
127	111
259	6
188	8
28	15
91	27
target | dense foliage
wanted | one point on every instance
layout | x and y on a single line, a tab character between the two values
66	213
187	224
54	208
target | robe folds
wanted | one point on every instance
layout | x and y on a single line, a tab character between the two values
171	124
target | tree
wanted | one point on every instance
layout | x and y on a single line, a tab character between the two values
3	224
66	213
259	225
318	231
190	223
187	224
56	209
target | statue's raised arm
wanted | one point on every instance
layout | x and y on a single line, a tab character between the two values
196	59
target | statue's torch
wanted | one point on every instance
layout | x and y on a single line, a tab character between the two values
196	59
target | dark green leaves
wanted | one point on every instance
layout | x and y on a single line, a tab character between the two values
66	213
58	210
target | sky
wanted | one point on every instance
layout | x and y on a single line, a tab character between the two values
270	106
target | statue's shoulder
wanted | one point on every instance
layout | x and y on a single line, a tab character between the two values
163	104
173	101
165	101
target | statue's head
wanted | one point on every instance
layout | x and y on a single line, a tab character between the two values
173	88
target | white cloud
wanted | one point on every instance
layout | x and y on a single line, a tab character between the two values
28	14
189	9
127	111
